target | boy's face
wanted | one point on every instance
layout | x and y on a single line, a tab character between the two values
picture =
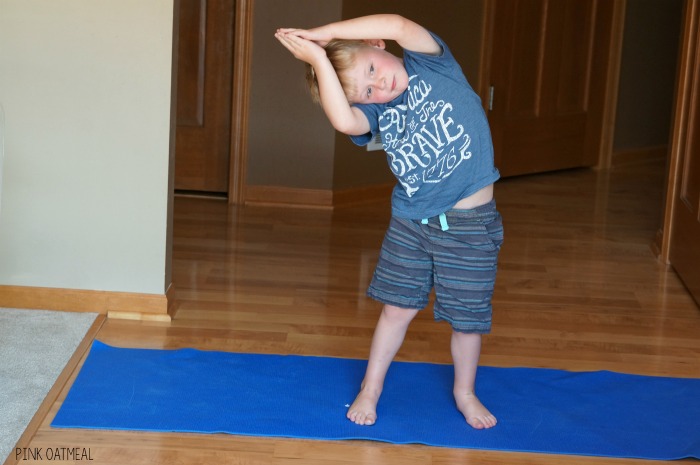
378	76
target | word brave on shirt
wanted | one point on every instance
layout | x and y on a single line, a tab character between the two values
434	145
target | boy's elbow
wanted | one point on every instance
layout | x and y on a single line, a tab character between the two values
398	23
395	19
352	122
352	126
346	128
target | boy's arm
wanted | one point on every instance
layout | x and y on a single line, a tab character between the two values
408	34
345	118
342	116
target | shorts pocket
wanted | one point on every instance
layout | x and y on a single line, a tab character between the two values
493	229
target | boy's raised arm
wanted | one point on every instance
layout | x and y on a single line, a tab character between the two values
334	102
345	118
408	34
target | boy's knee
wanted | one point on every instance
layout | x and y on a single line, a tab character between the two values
398	314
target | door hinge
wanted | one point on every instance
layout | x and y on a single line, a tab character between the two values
491	90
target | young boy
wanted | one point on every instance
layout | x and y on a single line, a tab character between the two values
445	231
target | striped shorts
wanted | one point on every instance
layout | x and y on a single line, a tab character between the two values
456	254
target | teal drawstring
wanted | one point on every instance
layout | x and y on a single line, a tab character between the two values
443	221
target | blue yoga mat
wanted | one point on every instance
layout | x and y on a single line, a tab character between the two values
539	410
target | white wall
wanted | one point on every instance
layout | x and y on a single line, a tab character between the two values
85	85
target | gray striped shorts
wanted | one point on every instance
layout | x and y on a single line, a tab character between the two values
459	262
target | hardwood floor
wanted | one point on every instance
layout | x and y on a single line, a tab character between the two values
578	289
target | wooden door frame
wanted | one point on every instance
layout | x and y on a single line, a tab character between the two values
681	114
242	58
610	91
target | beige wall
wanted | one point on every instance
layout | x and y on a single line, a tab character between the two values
85	86
291	143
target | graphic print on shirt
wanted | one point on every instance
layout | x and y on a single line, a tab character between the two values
423	142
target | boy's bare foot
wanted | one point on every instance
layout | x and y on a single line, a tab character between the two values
474	411
364	410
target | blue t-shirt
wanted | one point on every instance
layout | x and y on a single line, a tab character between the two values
436	137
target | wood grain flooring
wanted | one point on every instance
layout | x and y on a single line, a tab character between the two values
578	289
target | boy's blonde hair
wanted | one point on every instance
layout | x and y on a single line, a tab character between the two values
341	54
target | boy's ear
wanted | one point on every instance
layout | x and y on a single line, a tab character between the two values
379	43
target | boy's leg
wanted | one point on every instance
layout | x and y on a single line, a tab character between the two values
388	336
466	348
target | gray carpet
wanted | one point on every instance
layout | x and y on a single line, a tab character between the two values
35	346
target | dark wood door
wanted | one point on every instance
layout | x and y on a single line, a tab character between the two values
685	156
547	81
204	83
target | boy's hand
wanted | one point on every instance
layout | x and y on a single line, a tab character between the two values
315	35
303	49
